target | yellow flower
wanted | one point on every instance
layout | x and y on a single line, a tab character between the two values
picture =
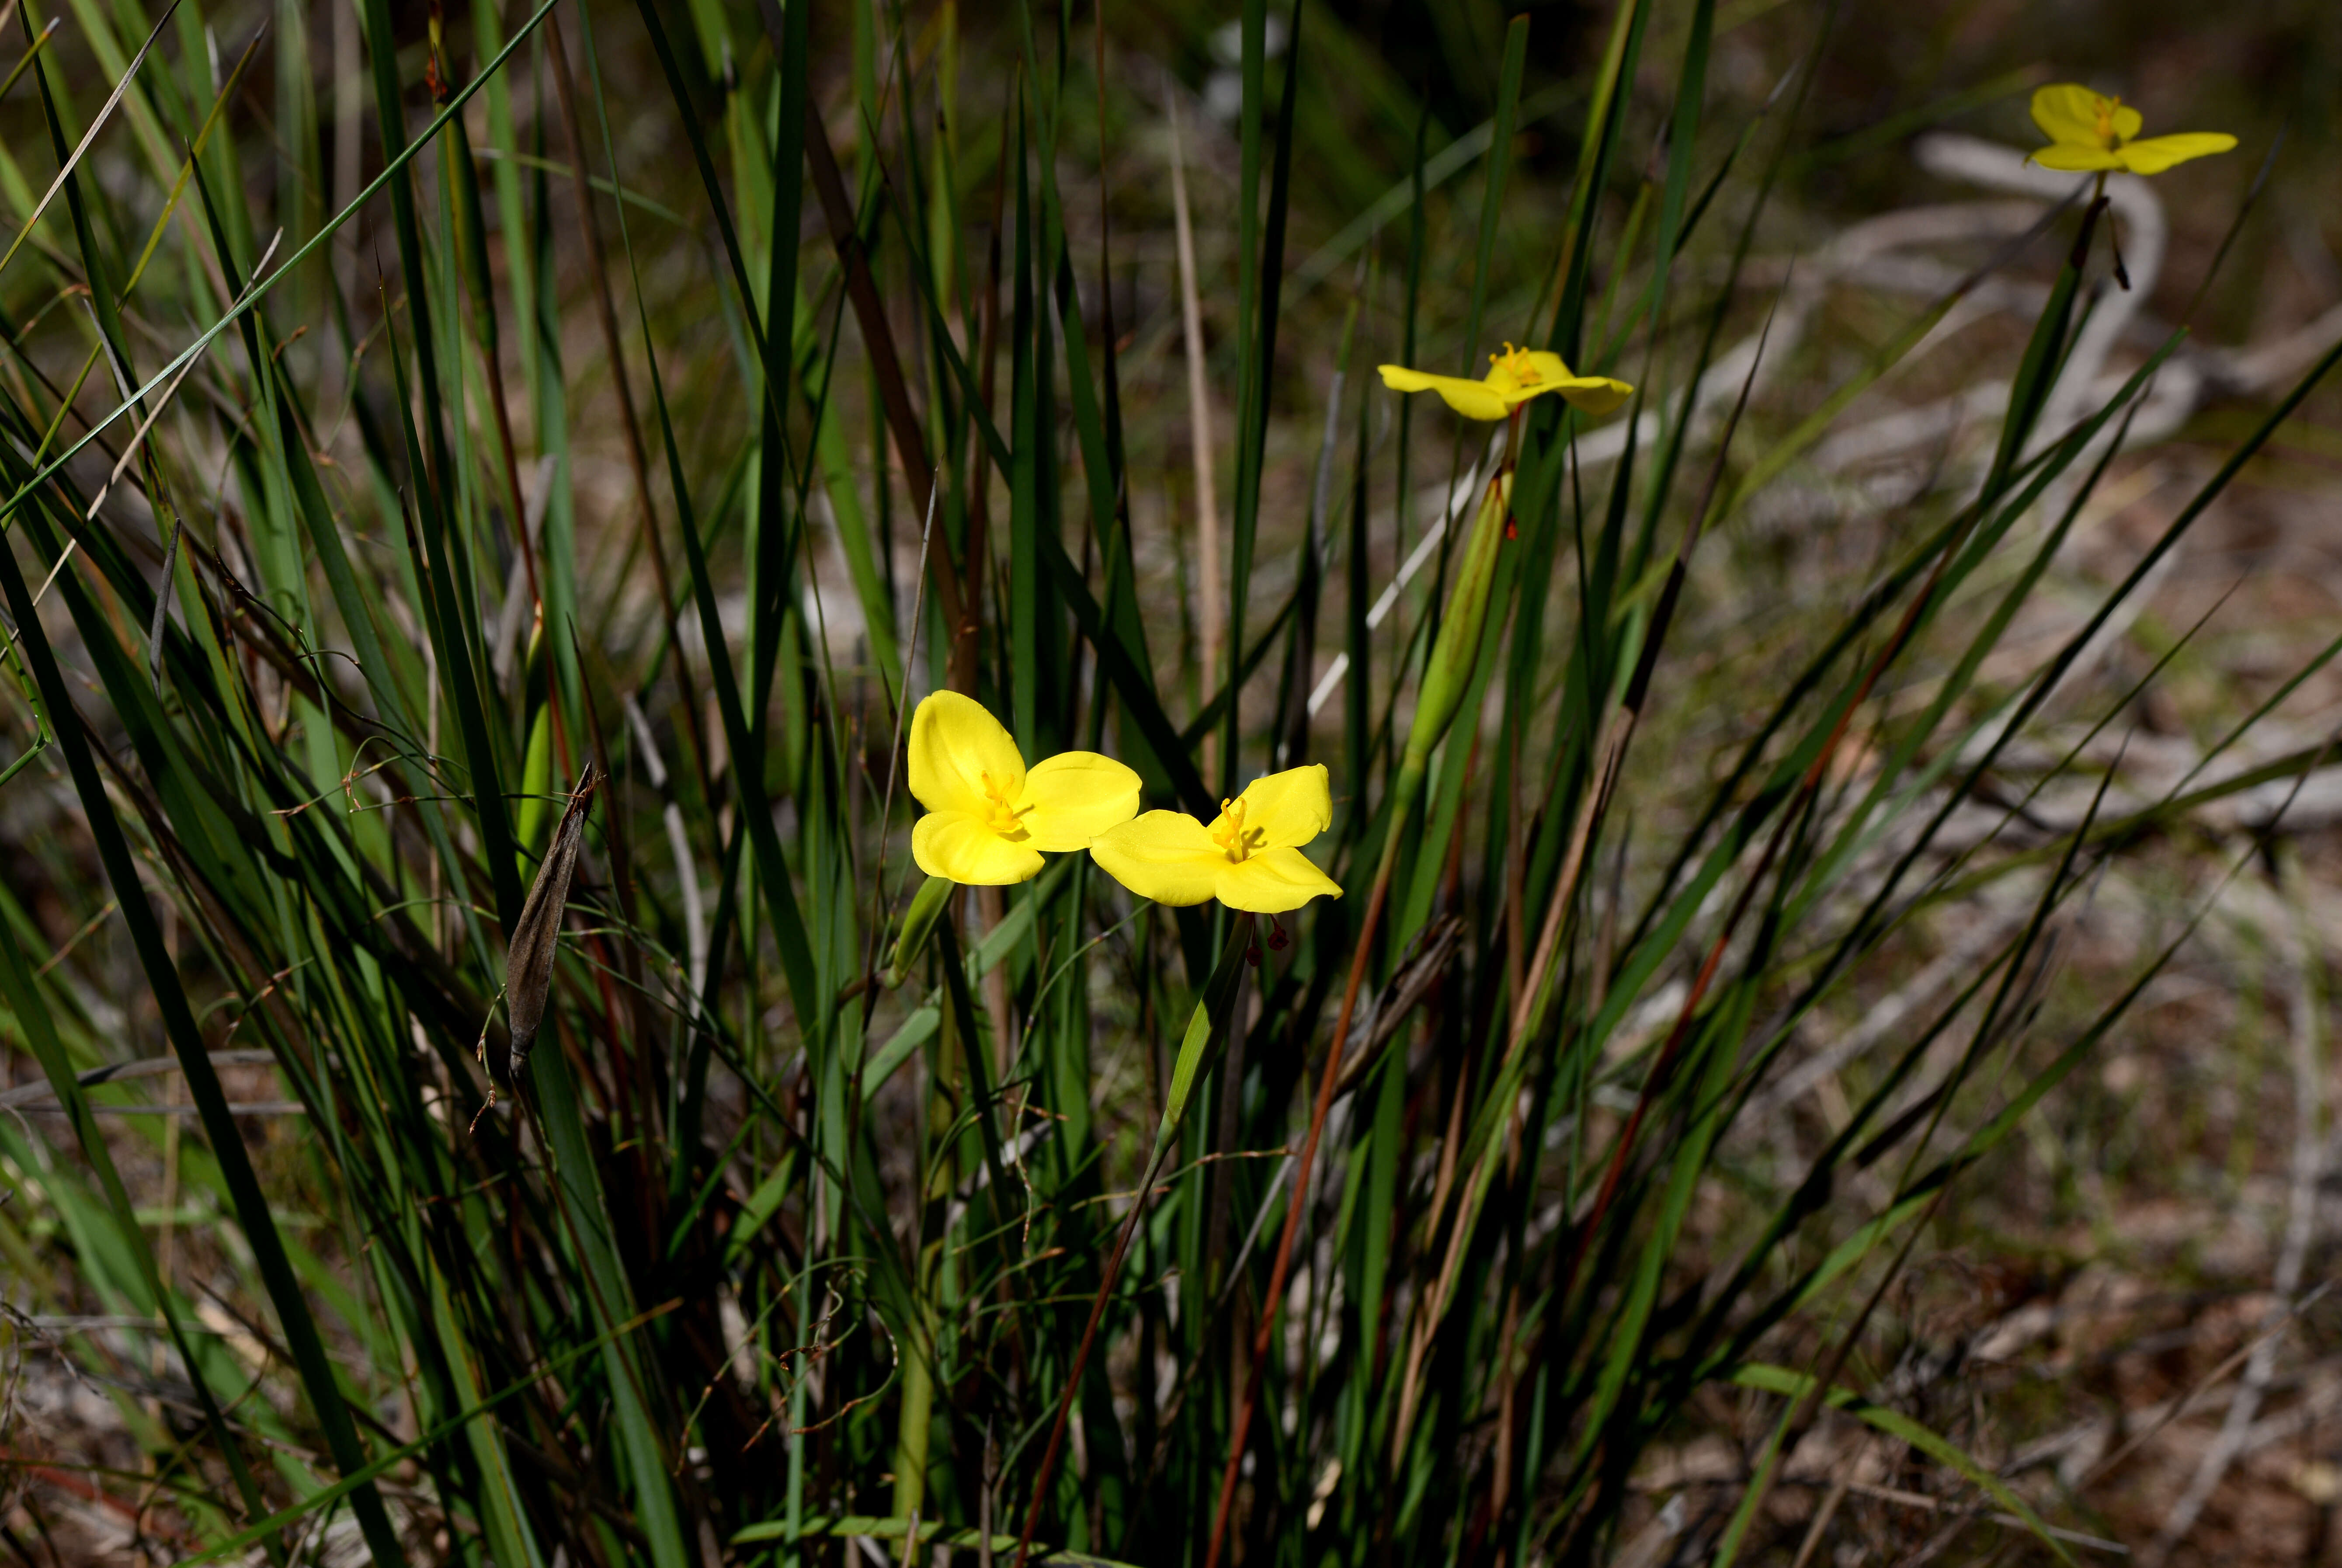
989	816
1248	858
2088	131
1514	377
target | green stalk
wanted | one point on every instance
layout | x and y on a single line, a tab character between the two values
1208	1029
1447	674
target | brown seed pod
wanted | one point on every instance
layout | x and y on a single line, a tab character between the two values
529	962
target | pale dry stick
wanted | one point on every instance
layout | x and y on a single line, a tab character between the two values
1825	1514
138	438
38	1094
1902	1499
1654	1542
1957	960
2282	359
695	912
104	113
1212	613
2301	1216
1464	489
175	1109
2319	1398
2172	1410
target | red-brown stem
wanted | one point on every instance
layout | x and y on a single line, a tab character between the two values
1299	1199
1404	802
629	419
1740	905
1165	1140
1082	1355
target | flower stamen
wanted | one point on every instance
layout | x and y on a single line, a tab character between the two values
1230	835
2106	127
1516	363
1001	816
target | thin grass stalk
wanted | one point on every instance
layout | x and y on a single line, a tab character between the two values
1804	1410
1456	653
870	315
1618	731
1206	1032
606	315
1211	615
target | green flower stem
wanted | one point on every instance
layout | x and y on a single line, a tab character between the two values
917	1358
1207	1029
1446	676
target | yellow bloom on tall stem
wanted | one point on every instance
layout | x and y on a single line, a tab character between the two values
1514	377
2091	133
1248	857
988	815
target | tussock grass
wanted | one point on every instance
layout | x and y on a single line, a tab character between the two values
366	485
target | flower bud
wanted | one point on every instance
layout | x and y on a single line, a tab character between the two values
918	924
1449	673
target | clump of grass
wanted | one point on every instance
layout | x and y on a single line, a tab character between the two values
683	391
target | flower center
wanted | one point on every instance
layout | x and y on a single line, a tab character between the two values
2106	107
1230	834
1001	816
1516	363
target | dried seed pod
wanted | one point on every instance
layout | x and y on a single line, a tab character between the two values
529	960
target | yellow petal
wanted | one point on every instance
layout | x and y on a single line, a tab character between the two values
2157	154
1597	395
1165	855
1071	798
954	741
1472	399
1526	373
1288	809
958	847
2074	160
1272	882
1550	370
2068	111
